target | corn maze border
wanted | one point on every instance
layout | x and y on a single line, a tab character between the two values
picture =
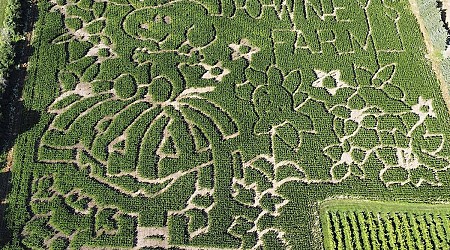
289	221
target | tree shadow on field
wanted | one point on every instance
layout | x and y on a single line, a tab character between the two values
444	18
5	235
15	118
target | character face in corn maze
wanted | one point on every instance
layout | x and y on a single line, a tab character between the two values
192	116
273	104
169	27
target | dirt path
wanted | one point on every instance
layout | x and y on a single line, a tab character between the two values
9	162
431	51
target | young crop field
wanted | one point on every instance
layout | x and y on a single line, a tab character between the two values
355	224
221	124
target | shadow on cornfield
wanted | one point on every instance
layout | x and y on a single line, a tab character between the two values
16	118
4	188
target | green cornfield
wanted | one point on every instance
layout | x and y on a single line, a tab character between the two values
224	124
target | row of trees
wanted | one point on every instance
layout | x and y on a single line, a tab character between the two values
8	36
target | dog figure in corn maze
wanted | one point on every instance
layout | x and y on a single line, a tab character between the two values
181	123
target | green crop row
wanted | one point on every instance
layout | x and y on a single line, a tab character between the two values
407	226
393	230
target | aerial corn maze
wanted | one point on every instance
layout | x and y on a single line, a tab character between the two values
234	124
